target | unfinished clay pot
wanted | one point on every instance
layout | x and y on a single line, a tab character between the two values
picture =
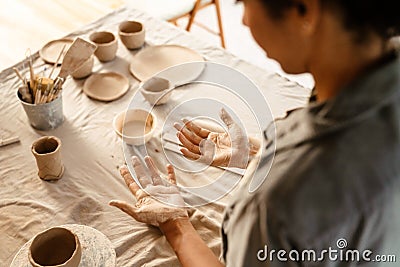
106	45
47	151
132	34
57	247
156	90
84	70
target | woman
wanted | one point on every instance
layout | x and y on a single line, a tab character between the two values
335	173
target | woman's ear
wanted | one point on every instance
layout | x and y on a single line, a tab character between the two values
309	13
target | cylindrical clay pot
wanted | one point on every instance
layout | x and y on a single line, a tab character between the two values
56	247
47	151
107	45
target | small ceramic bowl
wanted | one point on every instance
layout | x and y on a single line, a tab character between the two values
156	90
132	34
84	70
55	247
135	126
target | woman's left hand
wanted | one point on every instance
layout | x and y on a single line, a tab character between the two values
224	149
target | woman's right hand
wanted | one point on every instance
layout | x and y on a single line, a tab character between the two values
226	149
158	202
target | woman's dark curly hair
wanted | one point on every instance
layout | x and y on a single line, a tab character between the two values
361	16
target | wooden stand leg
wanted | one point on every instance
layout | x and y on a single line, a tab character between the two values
221	30
192	15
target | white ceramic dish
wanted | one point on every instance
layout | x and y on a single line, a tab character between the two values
106	86
153	59
50	51
135	126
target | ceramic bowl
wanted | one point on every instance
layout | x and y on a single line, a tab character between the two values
107	45
84	70
132	34
55	247
156	90
135	126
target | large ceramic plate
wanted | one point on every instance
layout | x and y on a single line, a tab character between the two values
52	49
154	59
106	86
97	249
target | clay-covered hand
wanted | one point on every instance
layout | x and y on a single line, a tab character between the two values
159	202
226	149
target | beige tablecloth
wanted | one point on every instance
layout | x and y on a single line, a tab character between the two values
92	152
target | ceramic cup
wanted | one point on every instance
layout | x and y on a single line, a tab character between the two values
156	90
132	34
55	247
84	70
47	152
107	45
135	126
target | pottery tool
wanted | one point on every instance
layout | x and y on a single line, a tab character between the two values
38	93
54	92
46	86
79	52
25	94
58	91
174	147
46	93
43	71
9	141
45	97
58	59
19	75
32	73
37	96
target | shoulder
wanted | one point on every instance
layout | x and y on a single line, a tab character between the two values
332	184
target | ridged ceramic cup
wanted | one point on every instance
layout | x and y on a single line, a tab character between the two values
47	152
55	247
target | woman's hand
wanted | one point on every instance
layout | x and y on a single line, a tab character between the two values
231	149
158	202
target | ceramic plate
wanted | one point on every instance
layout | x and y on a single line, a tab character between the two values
97	249
106	86
153	59
52	49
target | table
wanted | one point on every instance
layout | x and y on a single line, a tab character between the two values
92	153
